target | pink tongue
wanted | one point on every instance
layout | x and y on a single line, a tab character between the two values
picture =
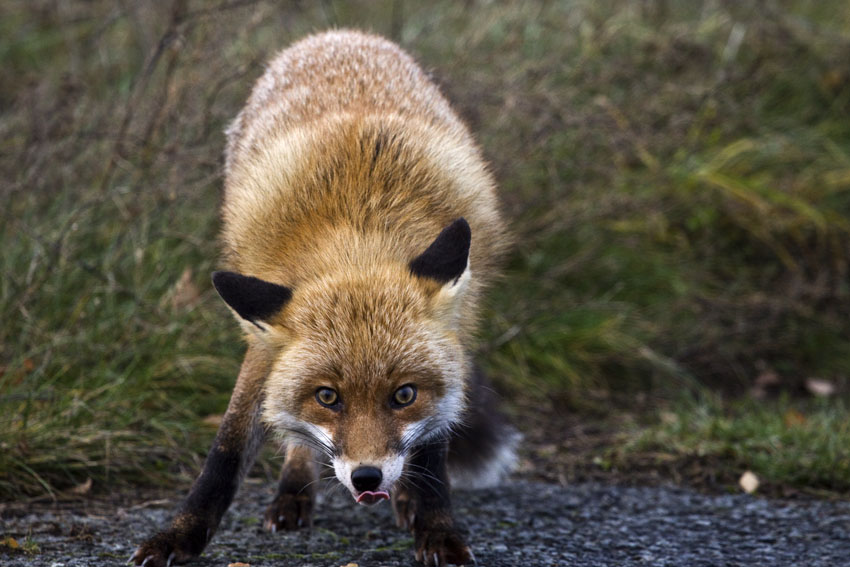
368	497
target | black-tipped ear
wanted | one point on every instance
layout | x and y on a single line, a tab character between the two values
446	257
252	298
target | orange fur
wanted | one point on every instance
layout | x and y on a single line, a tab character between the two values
343	166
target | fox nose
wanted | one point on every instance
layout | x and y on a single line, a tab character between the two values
366	478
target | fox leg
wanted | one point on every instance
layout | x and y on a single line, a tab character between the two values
437	540
292	507
236	445
403	506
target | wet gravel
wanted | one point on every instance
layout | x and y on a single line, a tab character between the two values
522	523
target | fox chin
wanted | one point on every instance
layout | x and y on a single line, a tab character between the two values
360	227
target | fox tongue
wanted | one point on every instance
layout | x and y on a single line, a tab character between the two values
368	497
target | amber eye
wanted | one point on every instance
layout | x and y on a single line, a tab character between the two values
404	396
327	397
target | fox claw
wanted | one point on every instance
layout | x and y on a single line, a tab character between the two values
166	548
290	511
441	547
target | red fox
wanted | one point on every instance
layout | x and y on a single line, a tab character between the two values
360	225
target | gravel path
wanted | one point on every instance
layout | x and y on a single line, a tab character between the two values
522	523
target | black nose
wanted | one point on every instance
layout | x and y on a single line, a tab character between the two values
366	478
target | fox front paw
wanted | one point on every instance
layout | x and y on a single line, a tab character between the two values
404	508
166	549
442	546
290	511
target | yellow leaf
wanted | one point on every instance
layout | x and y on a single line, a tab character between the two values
749	482
11	543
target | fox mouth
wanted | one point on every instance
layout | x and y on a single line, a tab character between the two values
368	497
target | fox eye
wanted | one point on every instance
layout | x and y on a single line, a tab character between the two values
404	396
327	397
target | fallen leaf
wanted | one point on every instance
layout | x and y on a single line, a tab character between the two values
668	417
11	543
749	482
82	488
767	377
238	564
765	383
792	417
547	450
213	419
819	387
833	79
350	565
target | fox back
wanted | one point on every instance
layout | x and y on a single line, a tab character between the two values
347	157
345	164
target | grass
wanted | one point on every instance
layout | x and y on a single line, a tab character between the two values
678	175
789	443
689	228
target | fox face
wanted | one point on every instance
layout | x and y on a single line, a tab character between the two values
368	374
369	365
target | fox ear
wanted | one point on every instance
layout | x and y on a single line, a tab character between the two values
445	260
253	299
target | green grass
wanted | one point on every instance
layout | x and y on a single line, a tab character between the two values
787	443
679	208
677	174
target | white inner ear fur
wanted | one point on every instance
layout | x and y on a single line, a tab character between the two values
449	295
261	330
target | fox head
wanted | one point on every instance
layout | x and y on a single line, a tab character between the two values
367	365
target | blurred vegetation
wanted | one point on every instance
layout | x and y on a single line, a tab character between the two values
793	445
677	173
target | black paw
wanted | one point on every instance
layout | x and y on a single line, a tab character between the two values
290	511
170	547
442	546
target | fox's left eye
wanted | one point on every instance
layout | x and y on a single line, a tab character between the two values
327	397
404	396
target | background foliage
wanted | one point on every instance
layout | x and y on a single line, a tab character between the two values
677	174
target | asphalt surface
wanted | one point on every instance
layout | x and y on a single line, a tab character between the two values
521	523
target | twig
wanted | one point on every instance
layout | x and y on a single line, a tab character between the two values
171	34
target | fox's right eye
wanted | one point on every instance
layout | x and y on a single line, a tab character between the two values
327	397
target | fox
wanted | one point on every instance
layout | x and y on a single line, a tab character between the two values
360	226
